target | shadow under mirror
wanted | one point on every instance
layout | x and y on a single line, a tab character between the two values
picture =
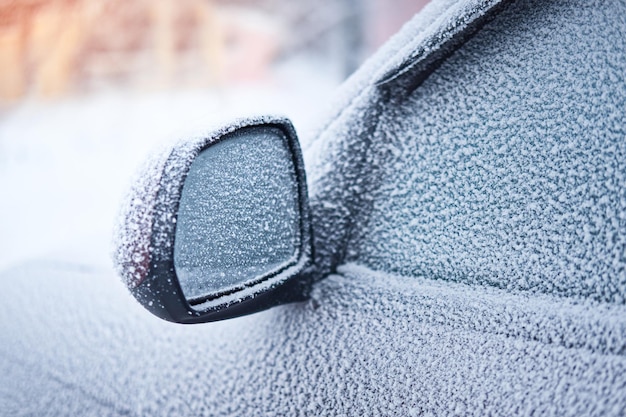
238	218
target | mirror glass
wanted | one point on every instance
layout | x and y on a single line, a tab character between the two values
238	218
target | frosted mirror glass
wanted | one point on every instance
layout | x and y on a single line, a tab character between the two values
238	218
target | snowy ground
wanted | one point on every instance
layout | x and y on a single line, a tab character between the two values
65	165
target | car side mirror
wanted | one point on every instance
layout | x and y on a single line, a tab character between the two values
219	227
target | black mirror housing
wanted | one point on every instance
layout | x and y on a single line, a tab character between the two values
146	234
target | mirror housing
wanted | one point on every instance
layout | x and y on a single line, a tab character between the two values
149	259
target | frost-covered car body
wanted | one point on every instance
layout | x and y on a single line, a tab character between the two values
468	203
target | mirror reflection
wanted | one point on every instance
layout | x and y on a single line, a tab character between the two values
239	215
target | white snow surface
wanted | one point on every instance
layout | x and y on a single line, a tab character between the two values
366	344
442	302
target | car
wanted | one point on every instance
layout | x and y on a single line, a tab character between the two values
458	246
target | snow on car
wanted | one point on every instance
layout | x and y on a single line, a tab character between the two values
468	215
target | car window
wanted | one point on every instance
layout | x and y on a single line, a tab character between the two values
507	166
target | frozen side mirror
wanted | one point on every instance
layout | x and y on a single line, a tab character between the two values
219	227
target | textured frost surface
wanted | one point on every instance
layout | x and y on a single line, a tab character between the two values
238	213
374	343
367	344
342	168
133	232
506	167
160	179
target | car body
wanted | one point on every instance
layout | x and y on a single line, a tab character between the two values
468	207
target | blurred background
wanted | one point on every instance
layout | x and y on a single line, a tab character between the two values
88	87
